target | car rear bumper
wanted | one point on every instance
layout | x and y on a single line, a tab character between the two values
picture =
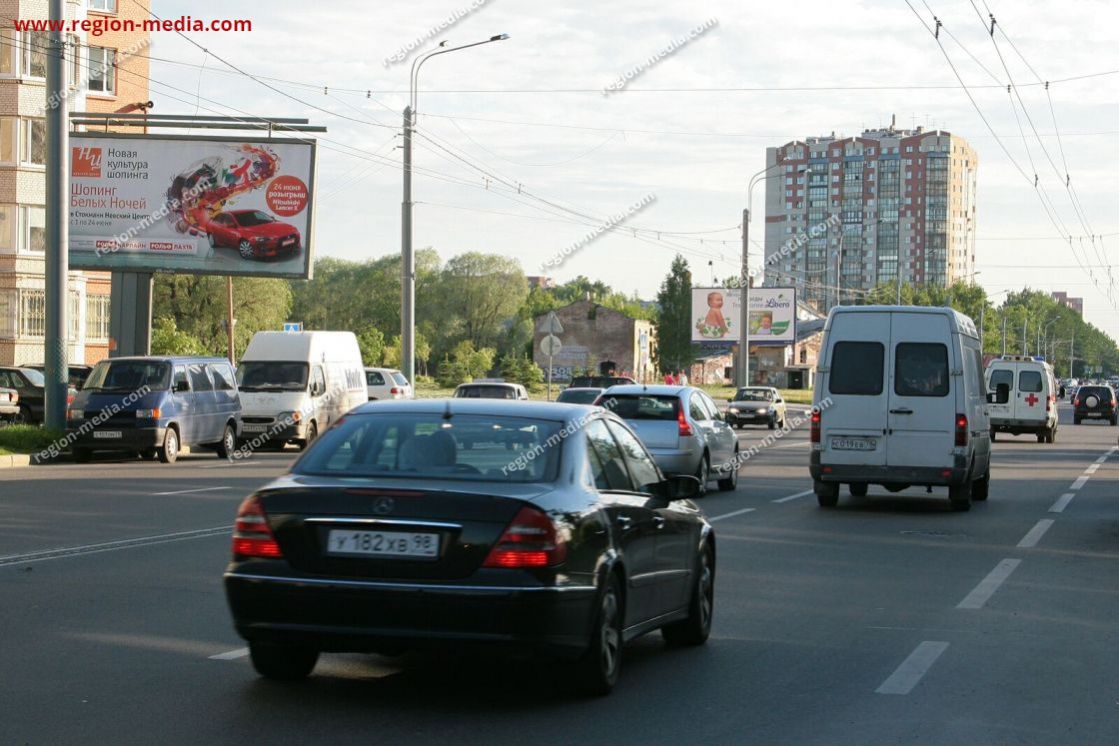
350	615
131	439
9	410
1018	425
675	461
923	475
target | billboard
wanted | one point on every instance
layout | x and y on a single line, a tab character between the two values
715	314
195	205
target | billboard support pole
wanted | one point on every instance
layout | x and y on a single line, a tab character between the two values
743	377
58	217
230	321
407	264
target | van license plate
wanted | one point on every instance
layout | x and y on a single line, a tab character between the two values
854	444
107	434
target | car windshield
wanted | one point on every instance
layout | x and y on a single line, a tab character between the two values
643	406
128	375
486	392
272	375
34	376
480	448
753	395
255	217
399	378
579	396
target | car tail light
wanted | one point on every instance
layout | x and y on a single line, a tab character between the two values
1076	402
814	427
251	535
684	429
396	390
961	429
530	540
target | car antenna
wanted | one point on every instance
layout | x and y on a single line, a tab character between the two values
447	410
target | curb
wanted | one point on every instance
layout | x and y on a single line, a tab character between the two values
15	461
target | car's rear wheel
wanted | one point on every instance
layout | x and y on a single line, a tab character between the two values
24	417
703	474
994	436
772	424
696	628
858	489
228	443
246	249
1076	420
597	671
730	482
80	455
981	487
169	451
282	662
1114	420
148	454
827	493
960	496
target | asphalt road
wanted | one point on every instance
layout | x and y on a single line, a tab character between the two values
888	619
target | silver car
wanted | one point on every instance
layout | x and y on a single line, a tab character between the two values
682	428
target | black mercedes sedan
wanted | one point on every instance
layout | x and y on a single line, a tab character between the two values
389	535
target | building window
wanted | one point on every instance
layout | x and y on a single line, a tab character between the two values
8	307
97	317
33	230
34	148
9	139
74	49
35	45
103	6
32	313
8	222
7	52
102	70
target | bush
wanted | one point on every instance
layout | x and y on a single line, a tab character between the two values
519	369
27	438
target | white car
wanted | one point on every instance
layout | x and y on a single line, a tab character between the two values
1032	390
491	390
387	383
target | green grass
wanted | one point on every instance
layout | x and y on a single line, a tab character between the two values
26	439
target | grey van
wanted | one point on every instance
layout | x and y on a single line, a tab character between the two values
155	405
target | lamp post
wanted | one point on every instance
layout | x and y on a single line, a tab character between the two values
1040	347
407	255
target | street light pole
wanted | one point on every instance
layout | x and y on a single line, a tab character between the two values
407	255
56	260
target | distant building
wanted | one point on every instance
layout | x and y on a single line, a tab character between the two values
540	281
1076	304
597	340
843	215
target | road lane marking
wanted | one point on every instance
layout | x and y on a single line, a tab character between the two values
731	514
231	655
1034	535
982	593
1062	502
1092	469
112	546
787	498
1080	482
913	668
1101	459
187	492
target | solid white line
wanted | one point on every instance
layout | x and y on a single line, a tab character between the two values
187	492
913	668
1092	469
787	498
1080	482
982	593
731	515
232	655
112	546
1062	502
1034	536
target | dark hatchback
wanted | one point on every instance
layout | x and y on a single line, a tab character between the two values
29	383
1094	403
388	535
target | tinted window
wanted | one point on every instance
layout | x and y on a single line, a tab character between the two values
578	396
180	377
921	369
223	377
373	378
265	375
598	470
33	376
6	380
199	381
1029	381
256	217
129	375
696	410
856	368
486	392
318	381
637	407
1002	375
641	468
613	463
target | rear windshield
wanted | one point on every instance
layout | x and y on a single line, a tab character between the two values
1099	391
399	378
1029	381
856	368
486	392
272	375
643	407
1001	375
921	369
128	375
478	448
36	378
578	397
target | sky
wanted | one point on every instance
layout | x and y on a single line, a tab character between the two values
515	135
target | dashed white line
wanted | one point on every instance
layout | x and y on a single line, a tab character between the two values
1092	469
731	514
187	492
1034	535
1080	482
913	668
787	498
1101	459
1062	502
231	655
982	593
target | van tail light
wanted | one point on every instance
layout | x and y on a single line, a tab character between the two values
251	535
683	428
530	540
961	429
814	427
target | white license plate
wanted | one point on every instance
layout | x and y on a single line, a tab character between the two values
854	444
382	543
254	428
4	398
1094	414
289	242
107	434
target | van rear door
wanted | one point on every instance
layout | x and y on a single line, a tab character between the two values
1030	396
1000	372
853	424
922	409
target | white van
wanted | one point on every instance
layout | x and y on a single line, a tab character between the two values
1032	403
900	401
294	385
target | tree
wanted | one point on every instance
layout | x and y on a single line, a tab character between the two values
464	363
519	369
674	313
198	306
168	340
371	341
481	291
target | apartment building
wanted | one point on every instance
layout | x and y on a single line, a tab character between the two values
1076	304
107	73
843	215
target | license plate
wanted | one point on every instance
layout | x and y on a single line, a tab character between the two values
854	444
254	428
1094	414
382	544
4	398
107	434
289	242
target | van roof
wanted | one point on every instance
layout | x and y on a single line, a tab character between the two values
170	358
961	323
305	346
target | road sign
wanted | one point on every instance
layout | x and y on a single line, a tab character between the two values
550	345
552	324
293	326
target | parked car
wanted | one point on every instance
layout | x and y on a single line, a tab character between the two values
9	404
254	233
900	401
761	405
491	390
580	395
28	383
1095	403
387	536
76	374
604	382
387	383
1032	406
682	428
155	405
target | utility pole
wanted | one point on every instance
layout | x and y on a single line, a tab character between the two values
230	321
1004	330
744	305
1071	341
57	262
1025	337
407	263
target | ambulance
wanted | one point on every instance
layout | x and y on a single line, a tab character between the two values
1031	405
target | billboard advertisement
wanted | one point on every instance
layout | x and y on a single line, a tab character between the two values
716	311
195	205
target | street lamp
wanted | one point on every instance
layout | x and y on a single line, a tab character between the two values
1041	349
407	255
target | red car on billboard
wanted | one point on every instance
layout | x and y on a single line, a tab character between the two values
254	233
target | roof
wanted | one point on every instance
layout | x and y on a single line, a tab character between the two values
170	358
653	390
962	323
499	407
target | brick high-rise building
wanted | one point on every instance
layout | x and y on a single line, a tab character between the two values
1076	304
108	73
843	215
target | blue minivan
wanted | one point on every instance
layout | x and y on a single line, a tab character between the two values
155	405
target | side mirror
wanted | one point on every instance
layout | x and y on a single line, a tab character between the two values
678	487
730	401
182	387
1001	394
